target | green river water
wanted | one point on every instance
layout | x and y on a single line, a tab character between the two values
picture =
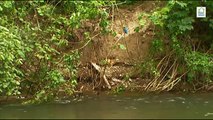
197	106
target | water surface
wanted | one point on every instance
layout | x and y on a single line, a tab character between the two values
118	106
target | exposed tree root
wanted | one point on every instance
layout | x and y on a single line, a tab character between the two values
167	76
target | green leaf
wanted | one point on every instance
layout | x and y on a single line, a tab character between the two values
21	53
142	22
122	47
8	4
114	33
1	8
137	29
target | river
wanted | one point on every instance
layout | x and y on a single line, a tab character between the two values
118	106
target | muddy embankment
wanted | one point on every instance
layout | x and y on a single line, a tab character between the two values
119	64
119	68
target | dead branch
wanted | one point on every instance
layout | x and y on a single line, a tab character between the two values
159	83
116	80
102	74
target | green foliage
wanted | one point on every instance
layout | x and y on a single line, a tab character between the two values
200	65
122	47
142	21
137	29
175	17
121	88
211	23
157	46
148	69
71	62
127	2
178	17
178	20
7	5
176	46
35	58
55	78
12	55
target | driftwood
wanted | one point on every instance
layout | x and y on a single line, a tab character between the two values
98	68
102	75
116	80
107	82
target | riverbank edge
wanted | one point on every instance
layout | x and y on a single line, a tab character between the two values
181	88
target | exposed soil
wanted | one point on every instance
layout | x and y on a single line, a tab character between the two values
120	70
119	62
136	43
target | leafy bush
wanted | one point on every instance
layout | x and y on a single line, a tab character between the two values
12	55
200	66
178	20
35	55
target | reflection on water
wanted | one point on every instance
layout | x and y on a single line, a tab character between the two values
118	106
207	114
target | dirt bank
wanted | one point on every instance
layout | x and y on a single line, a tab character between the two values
119	69
120	63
